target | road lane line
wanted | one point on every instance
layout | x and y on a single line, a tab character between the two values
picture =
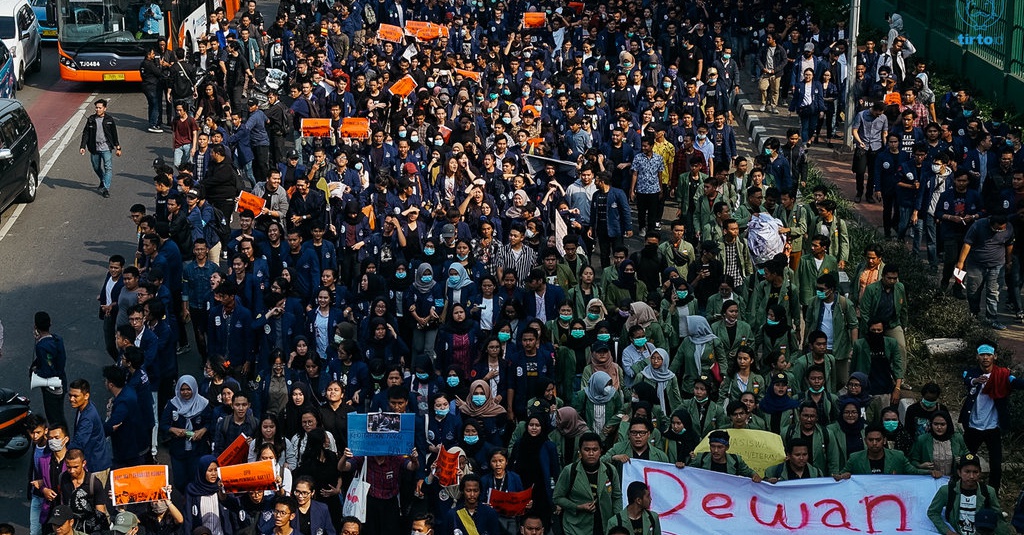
65	134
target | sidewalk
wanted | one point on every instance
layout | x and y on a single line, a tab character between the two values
835	165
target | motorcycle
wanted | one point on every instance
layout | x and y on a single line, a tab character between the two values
14	408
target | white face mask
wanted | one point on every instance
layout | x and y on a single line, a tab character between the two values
936	168
55	444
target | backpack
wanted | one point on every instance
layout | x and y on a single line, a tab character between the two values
181	83
221	224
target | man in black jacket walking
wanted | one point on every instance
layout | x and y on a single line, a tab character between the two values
222	187
100	138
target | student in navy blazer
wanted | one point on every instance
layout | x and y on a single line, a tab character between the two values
319	516
487	310
554	295
325	309
204	485
808	102
458	281
108	309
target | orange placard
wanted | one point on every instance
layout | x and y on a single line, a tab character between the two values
577	7
236	453
313	127
387	32
472	75
139	484
248	477
403	86
425	31
510	503
248	201
534	141
413	26
535	20
355	128
447	467
445	132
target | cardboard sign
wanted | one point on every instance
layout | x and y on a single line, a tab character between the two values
425	31
139	484
447	467
355	128
445	132
382	433
510	503
472	75
759	449
236	453
403	86
316	127
248	477
535	20
577	7
248	201
387	32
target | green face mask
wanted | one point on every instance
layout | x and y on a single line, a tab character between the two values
818	390
929	404
504	337
772	322
577	333
821	294
604	337
565	317
592	316
681	294
891	425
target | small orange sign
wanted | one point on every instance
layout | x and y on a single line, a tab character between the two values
248	201
535	19
236	452
248	477
472	75
403	86
312	127
387	32
355	128
447	466
138	484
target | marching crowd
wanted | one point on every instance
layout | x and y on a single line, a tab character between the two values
467	262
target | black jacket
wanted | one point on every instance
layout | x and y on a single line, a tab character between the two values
109	131
151	72
220	181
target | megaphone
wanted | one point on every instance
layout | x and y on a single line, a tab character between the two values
39	382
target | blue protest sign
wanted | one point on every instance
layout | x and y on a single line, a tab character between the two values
381	433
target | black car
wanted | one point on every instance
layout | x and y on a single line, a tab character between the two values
19	155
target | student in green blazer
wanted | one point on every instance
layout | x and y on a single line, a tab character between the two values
580	503
637	446
638	496
679	439
888	288
677	250
583	293
697	354
720	460
776	335
877	459
847	434
731	239
844	326
824	454
875	342
741	377
705	414
626	287
675	307
811	267
642	408
656	372
795	217
599	403
944	511
796	465
838	233
943	439
741	418
732	332
715	307
817	356
775	283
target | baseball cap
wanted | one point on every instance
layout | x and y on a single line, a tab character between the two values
410	168
448	231
253	102
158	162
600	346
124	522
60	515
809	47
293	154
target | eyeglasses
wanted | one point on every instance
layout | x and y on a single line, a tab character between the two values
639	433
302	493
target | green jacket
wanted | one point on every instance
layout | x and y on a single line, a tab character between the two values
573	488
734	464
585	407
754	422
937	514
862	357
623	447
685	368
855	281
765	346
565	367
789	299
742	256
713	309
744	337
668	313
824	455
564	277
689	189
837	232
895	464
579	301
742	215
924	446
582	262
613	294
713	418
807	274
804	362
844	321
651	523
679	256
712	231
796	220
838	439
659	419
704	212
654	332
779	471
730	390
588	370
672	395
869	304
609	275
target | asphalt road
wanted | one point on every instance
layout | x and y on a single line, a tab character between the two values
53	252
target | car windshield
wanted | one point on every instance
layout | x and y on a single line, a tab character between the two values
6	27
39	3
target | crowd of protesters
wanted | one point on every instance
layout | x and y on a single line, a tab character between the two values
472	260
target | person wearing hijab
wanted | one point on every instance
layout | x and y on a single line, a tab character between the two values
570	426
642	314
425	302
678	302
698	355
472	442
423	383
482	406
456	342
896	436
397	288
680	439
601	360
776	334
594	314
941	447
203	507
185	419
644	402
626	287
657	374
369	287
535	459
385	344
846	435
302	400
778	407
599	402
459	286
858	390
380	307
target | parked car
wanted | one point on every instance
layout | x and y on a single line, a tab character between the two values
19	155
19	30
46	14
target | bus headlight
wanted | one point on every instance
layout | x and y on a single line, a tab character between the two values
68	62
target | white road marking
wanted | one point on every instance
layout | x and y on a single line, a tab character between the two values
62	138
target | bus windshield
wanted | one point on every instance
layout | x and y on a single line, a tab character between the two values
101	22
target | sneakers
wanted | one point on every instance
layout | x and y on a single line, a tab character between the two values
997	326
155	130
184	349
764	108
105	192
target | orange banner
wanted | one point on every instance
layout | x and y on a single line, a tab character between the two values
577	7
139	484
445	132
355	128
403	86
535	20
248	477
425	31
472	75
248	201
447	466
534	141
511	503
316	127
387	32
236	453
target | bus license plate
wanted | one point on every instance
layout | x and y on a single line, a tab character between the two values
49	33
113	77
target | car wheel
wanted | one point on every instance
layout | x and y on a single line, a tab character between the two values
31	186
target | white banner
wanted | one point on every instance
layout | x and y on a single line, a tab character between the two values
692	500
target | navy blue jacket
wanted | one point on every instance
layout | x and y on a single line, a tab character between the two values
169	419
307	271
817	98
486	520
124	440
554	295
230	338
619	217
89	437
319	520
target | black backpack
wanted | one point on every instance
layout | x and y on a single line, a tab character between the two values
181	82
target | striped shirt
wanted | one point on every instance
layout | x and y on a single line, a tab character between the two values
520	262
